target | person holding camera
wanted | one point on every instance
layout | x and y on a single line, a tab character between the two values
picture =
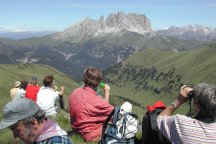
88	111
182	129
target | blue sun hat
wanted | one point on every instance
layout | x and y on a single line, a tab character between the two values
16	110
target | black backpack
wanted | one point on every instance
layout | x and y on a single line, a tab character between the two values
110	130
150	131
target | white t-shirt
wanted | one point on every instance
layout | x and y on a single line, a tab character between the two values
47	99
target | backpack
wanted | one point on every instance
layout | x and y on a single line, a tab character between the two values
150	131
113	134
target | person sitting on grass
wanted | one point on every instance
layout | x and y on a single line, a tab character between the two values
14	90
29	124
47	98
200	129
32	89
21	90
88	111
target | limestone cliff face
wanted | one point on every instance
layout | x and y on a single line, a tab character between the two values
114	24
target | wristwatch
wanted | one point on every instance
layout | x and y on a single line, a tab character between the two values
174	104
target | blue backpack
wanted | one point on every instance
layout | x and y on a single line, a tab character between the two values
110	132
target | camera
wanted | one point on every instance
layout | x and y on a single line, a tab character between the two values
190	95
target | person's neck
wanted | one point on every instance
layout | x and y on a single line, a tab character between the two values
92	87
40	128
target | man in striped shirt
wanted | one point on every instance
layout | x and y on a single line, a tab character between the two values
200	129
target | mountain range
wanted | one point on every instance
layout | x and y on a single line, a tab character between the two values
189	32
23	34
101	43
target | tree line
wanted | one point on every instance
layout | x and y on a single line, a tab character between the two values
148	79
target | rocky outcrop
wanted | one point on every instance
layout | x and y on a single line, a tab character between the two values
114	24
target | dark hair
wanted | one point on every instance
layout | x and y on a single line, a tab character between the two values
39	116
48	80
92	76
23	85
205	97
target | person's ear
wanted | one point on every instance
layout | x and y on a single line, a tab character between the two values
34	124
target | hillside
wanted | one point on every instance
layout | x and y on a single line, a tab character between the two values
153	74
142	79
101	43
11	73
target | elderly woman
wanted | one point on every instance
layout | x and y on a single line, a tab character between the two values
88	111
200	129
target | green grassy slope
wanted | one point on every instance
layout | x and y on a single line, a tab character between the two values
188	67
196	65
11	73
191	67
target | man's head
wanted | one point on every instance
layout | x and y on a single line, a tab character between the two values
34	80
24	118
48	80
92	76
205	99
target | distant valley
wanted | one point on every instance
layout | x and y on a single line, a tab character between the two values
101	43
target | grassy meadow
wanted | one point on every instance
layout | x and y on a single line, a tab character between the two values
194	66
10	73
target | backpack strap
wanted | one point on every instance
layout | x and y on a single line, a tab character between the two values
108	119
116	115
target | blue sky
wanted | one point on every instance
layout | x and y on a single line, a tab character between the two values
60	14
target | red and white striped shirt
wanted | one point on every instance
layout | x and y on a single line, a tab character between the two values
182	129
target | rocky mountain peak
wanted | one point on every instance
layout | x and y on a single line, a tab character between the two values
190	32
115	23
132	22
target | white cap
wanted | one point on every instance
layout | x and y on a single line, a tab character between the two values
126	107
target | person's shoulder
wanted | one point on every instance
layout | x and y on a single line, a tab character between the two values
182	119
12	89
182	116
60	139
77	90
